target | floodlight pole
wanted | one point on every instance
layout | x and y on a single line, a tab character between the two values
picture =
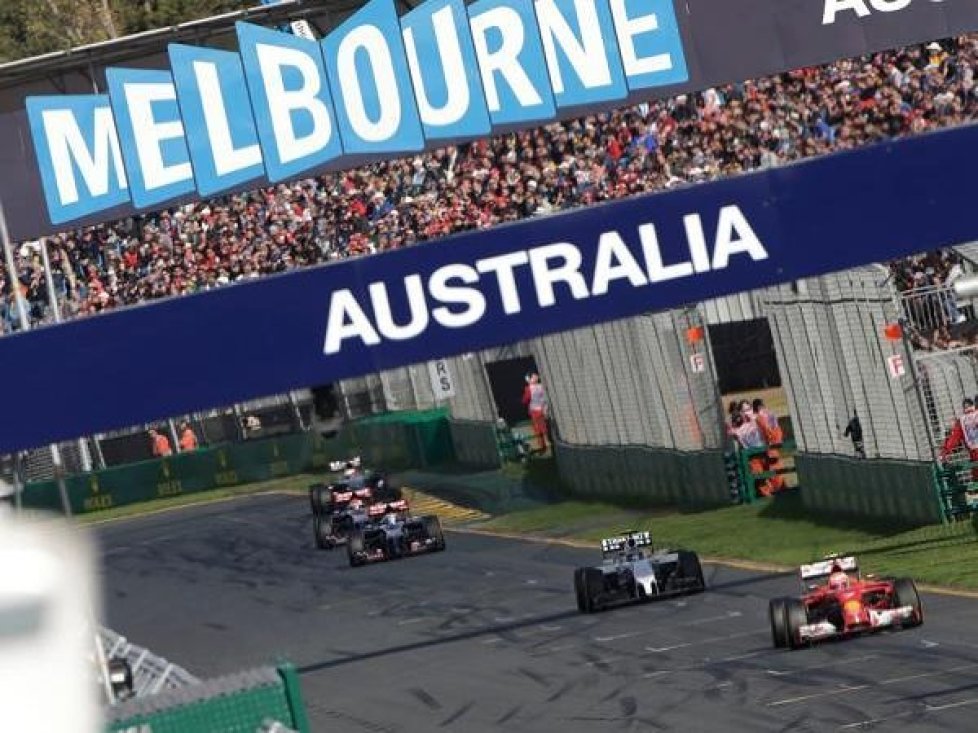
25	325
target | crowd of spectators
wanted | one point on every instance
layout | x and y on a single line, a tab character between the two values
648	147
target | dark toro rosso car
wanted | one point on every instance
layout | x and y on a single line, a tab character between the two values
632	571
332	528
392	533
837	602
352	482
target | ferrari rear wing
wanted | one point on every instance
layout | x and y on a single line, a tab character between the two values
823	568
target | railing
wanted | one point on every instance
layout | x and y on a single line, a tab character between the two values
932	308
150	674
745	491
956	489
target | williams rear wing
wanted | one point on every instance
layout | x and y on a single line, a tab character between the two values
348	463
626	542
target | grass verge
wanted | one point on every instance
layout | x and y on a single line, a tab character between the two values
776	533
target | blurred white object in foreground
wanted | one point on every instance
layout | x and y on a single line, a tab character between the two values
48	597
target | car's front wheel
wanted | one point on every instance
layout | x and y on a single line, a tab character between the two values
778	613
905	594
796	616
432	529
355	548
692	571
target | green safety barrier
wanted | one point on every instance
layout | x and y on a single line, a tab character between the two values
187	473
394	441
478	444
401	440
242	703
643	475
876	490
747	480
955	488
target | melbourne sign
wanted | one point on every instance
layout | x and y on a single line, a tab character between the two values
283	107
488	288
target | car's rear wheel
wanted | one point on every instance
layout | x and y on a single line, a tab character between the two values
778	612
579	590
323	528
322	498
432	529
354	548
314	505
385	490
796	616
593	590
691	570
905	594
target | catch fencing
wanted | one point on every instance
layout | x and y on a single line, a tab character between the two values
829	335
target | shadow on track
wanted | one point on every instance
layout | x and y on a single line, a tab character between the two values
429	643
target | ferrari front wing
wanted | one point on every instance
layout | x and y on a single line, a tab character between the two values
877	619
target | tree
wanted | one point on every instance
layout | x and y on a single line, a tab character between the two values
34	27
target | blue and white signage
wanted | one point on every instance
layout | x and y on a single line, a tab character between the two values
487	288
284	106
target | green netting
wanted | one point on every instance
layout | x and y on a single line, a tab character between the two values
642	475
878	490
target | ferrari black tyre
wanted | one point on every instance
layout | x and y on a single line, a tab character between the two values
778	613
432	528
593	590
795	617
905	594
354	548
322	526
691	570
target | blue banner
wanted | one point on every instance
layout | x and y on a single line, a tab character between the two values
487	288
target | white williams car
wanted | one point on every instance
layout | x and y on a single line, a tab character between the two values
632	570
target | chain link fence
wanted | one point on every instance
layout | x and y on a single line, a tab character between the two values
833	355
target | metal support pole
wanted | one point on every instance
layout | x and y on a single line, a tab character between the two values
173	434
83	452
103	665
724	439
25	325
296	411
907	347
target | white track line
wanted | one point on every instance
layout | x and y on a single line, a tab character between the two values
925	709
855	688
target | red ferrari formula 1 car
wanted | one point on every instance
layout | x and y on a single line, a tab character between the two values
838	602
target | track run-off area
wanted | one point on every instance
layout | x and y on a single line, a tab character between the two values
486	635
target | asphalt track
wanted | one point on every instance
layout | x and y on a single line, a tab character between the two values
486	636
